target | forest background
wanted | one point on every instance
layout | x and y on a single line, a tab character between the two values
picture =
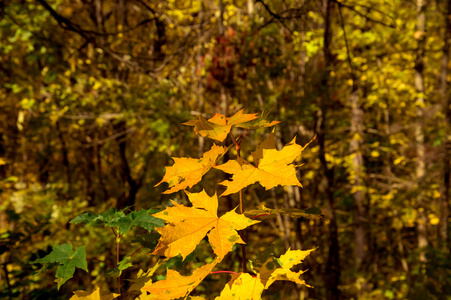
93	94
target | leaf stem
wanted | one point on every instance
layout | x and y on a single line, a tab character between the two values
95	259
136	251
243	258
244	135
261	215
238	154
118	240
228	272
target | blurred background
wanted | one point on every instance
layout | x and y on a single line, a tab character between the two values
93	94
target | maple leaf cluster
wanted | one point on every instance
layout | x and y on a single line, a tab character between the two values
182	228
187	226
272	167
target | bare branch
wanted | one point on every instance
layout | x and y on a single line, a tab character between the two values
364	15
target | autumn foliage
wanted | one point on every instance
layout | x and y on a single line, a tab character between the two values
182	228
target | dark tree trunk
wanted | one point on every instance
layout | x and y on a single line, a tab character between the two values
443	234
133	186
333	261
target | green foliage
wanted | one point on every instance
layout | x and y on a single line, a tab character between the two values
67	261
120	220
121	266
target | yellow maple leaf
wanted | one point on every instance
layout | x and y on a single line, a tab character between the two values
273	167
268	143
243	286
186	172
189	225
259	122
279	269
176	285
219	126
142	279
97	294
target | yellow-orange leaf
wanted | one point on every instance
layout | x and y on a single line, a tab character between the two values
272	271
243	286
189	225
259	122
186	172
218	127
176	285
143	278
268	143
274	168
97	294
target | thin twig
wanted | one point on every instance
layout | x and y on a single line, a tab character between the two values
243	247
274	15
261	215
98	260
136	251
219	272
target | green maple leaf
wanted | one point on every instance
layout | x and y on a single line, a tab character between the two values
141	218
109	218
123	264
114	218
67	259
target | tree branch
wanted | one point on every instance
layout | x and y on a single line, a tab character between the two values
274	15
69	25
364	15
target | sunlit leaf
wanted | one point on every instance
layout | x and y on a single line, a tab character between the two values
268	269
242	287
189	225
259	122
274	168
186	172
176	285
219	126
142	279
97	294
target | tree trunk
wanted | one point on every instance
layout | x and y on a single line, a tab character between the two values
419	133
333	269
445	182
65	156
133	185
357	170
